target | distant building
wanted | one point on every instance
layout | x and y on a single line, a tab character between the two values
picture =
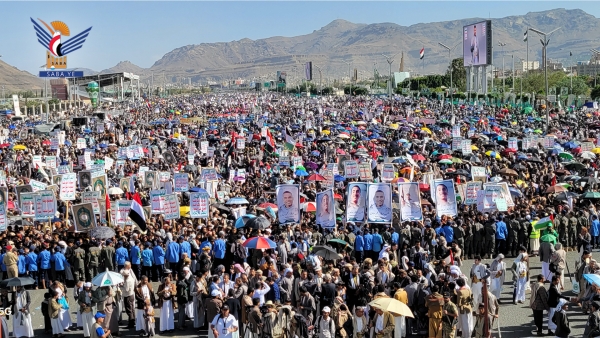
524	66
589	68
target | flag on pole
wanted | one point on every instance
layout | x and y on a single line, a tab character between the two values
570	53
542	223
422	53
525	36
136	213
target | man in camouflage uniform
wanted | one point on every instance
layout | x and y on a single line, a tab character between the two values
449	317
79	263
92	261
468	249
489	237
512	246
478	235
562	228
573	230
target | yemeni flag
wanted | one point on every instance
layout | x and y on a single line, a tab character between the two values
422	53
525	36
136	213
542	223
270	141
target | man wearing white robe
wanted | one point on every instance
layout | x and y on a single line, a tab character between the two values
22	320
86	308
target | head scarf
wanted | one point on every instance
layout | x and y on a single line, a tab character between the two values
561	303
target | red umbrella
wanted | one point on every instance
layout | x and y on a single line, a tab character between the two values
340	152
309	207
423	186
266	205
444	157
510	150
418	157
4	145
316	177
46	143
337	196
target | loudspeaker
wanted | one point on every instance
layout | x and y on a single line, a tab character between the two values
100	116
79	121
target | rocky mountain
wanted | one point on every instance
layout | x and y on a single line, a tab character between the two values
13	79
124	67
339	42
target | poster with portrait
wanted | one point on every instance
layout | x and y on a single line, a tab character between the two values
150	179
3	195
83	215
288	203
20	189
410	201
85	179
356	204
379	197
445	198
325	209
124	183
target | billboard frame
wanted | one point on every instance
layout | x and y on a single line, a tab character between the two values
488	40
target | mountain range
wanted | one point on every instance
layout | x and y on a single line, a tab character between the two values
341	42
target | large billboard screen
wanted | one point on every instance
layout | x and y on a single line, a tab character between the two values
477	44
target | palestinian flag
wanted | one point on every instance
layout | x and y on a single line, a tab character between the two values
422	53
542	223
136	213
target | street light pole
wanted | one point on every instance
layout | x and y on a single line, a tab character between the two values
451	84
595	52
320	83
349	77
390	61
545	42
501	44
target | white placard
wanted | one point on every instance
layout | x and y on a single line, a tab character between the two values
68	186
181	182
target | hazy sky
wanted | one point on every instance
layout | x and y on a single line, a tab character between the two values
142	32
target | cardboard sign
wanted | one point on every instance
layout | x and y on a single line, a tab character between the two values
27	205
171	207
68	187
81	143
157	201
351	169
181	182
365	172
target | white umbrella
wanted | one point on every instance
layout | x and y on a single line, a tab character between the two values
108	278
115	191
588	155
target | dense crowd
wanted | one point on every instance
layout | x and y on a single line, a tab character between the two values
341	280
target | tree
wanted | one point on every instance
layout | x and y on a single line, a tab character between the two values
459	74
595	93
579	85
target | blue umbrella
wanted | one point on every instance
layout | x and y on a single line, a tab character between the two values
241	222
196	189
516	192
301	173
399	161
103	145
67	143
315	153
339	178
237	200
271	212
444	145
592	278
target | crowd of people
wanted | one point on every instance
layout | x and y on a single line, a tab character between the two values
265	260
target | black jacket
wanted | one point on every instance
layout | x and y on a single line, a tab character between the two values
562	324
554	296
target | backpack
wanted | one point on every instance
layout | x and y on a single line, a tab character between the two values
239	251
301	324
318	322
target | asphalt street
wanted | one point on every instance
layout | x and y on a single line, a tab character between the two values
515	320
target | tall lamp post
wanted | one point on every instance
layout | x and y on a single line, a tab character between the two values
595	52
320	78
451	69
502	44
390	60
545	42
349	77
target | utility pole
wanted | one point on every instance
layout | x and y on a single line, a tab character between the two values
501	44
320	80
545	42
349	77
390	61
451	69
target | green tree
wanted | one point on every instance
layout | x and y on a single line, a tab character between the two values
459	74
580	87
595	93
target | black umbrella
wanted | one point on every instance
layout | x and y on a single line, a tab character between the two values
519	166
258	223
461	172
534	159
589	180
16	281
563	196
326	252
575	166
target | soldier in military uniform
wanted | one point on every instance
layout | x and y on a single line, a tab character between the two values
107	256
478	235
562	228
92	261
489	237
78	263
524	231
573	230
459	234
513	236
449	317
468	249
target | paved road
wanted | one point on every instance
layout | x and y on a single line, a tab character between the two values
515	320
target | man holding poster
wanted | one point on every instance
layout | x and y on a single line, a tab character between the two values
380	203
355	208
410	201
325	209
288	203
445	198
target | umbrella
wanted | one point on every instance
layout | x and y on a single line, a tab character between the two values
301	173
566	156
108	278
509	172
592	195
418	157
575	166
259	223
589	277
548	238
237	200
519	166
309	207
589	180
19	147
338	241
241	222
102	232
445	161
327	253
555	189
516	192
339	178
393	306
266	205
16	281
115	191
259	243
315	177
563	196
492	154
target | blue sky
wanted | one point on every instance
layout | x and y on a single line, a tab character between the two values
143	31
